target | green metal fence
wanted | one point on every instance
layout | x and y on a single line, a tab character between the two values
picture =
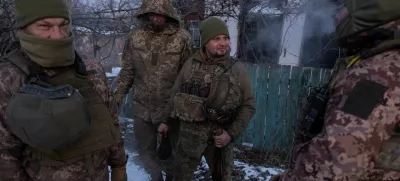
280	92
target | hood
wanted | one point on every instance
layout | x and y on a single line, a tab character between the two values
163	7
355	35
358	16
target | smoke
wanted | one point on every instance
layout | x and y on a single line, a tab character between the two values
321	14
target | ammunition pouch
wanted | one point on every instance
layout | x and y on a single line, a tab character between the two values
189	108
195	89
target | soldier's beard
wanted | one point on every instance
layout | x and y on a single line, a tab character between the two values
157	27
220	53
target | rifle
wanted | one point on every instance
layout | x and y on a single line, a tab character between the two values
164	150
218	162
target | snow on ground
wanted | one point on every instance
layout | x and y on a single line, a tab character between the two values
242	170
114	72
135	172
257	172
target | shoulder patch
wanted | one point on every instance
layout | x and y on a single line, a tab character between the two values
363	99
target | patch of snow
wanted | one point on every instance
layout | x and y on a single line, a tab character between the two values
250	172
248	144
134	172
88	30
114	72
265	10
204	163
256	171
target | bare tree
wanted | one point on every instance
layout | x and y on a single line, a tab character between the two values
102	25
6	24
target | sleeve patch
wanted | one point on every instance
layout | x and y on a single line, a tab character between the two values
363	99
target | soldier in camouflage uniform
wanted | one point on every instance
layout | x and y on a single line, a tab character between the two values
153	56
360	139
55	133
212	92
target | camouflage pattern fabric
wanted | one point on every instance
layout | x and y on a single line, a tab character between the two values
16	163
195	140
163	7
359	140
245	111
146	136
150	64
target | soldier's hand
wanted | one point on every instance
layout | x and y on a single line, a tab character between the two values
163	128
119	174
222	140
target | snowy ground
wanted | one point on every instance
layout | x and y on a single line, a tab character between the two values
114	72
135	172
242	171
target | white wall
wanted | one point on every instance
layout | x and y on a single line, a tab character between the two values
233	32
292	39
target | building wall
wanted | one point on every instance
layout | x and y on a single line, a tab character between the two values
292	39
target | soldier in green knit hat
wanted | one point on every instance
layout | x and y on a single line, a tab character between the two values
58	118
214	102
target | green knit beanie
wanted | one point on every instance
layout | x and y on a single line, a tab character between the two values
29	11
212	27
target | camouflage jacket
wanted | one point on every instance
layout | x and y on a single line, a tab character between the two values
361	116
152	60
244	112
13	156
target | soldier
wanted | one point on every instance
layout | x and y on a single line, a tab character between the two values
153	56
360	137
212	94
58	118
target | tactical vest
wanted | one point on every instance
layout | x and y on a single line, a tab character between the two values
102	133
209	93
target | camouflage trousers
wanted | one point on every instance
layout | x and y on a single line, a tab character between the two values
195	141
146	136
173	133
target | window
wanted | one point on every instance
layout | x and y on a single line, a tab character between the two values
194	29
262	38
320	49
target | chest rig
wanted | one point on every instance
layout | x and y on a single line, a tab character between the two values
209	93
62	118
